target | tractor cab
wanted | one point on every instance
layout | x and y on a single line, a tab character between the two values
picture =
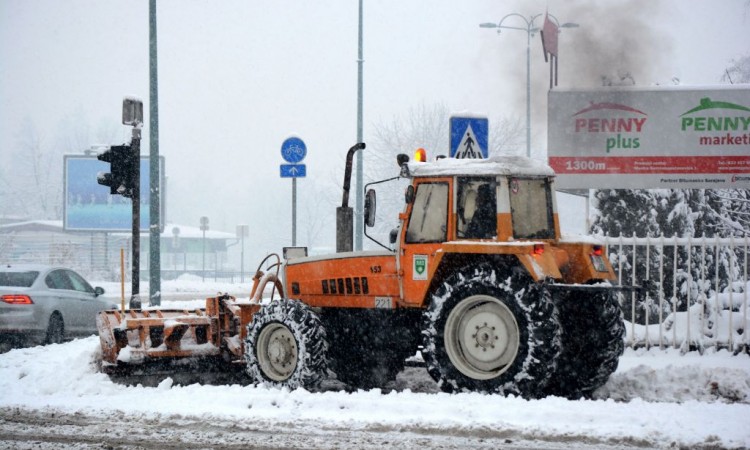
503	199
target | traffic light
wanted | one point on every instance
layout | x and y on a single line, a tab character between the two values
123	170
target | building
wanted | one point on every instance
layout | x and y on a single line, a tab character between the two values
184	249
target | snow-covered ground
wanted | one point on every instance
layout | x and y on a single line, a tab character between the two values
55	396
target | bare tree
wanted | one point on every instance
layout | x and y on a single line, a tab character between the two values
34	188
425	126
31	176
317	207
739	71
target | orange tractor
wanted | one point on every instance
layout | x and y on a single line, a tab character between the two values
476	276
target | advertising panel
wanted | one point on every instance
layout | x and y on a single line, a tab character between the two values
633	138
88	205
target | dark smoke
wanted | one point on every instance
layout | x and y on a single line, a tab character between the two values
617	43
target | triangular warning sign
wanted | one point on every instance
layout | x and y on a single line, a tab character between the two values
469	147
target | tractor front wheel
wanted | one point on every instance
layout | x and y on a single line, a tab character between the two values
286	346
487	330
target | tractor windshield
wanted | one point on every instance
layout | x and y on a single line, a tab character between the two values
477	208
429	214
531	209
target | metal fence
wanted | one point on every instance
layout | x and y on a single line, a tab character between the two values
92	254
697	291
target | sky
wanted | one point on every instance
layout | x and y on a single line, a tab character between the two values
236	78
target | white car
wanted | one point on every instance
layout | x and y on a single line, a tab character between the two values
46	304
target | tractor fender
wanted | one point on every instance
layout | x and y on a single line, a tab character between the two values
450	263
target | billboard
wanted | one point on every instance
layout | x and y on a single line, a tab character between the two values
633	138
88	206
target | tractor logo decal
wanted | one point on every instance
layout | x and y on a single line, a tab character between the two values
420	267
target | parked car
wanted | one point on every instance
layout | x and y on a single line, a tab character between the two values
46	304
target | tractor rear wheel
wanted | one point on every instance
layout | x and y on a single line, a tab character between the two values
487	330
592	343
286	346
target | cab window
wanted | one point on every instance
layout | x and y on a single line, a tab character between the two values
429	214
531	209
477	208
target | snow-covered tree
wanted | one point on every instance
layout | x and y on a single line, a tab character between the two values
684	213
733	212
630	213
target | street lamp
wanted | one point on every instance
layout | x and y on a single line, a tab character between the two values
530	29
360	160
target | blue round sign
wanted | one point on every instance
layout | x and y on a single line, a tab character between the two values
293	150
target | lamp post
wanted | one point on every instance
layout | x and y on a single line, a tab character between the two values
530	29
360	175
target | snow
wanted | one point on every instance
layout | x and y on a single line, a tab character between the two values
185	286
720	319
572	238
495	165
656	398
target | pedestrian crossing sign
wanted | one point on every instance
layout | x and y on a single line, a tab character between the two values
469	137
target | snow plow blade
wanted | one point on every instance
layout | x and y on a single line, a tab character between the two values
135	336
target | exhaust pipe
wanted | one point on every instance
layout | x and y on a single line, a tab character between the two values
344	213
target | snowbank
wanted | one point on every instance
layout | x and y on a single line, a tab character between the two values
718	321
656	398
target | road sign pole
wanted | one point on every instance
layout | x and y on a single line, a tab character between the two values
293	150
294	212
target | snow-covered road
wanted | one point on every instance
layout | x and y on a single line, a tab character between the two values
55	396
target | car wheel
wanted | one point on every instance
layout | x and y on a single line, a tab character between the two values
55	329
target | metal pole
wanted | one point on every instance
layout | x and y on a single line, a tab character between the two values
154	266
528	91
135	302
359	201
294	212
242	259
203	270
122	279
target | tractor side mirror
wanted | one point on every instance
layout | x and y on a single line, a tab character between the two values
409	195
370	208
393	237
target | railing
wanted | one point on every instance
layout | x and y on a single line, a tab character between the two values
697	294
96	256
